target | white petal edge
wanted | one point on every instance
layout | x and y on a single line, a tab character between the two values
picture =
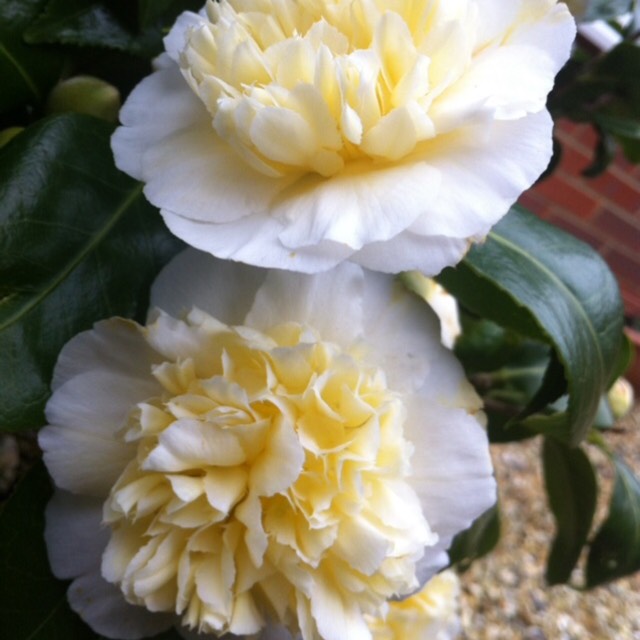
400	329
103	607
329	302
196	279
483	174
254	240
452	473
114	345
74	534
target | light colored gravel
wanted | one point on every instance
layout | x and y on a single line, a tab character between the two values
504	594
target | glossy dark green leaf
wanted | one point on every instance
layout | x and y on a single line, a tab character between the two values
94	23
27	71
531	277
572	491
33	604
615	551
478	540
78	242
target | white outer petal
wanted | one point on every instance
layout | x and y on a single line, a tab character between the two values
452	473
254	239
196	279
114	345
408	250
74	534
100	376
362	204
329	302
146	119
483	174
102	606
401	330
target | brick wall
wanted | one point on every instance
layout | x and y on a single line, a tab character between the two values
603	211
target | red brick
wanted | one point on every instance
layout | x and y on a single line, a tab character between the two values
618	230
624	266
574	225
587	136
535	203
574	161
611	187
561	192
631	298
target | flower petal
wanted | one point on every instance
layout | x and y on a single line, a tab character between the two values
197	279
335	618
408	250
328	302
74	535
452	472
482	170
362	204
114	345
254	239
399	329
145	121
80	447
103	607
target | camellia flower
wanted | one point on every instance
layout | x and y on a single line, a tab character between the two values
301	133
430	614
273	448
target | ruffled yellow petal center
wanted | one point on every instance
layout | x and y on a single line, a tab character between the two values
270	474
298	86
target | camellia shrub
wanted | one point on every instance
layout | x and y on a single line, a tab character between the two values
261	277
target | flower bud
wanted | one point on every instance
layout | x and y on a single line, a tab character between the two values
85	94
620	397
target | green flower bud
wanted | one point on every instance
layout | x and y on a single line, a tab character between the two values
85	94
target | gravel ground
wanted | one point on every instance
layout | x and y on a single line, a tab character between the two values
504	594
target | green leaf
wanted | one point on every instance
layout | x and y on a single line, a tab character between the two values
478	540
78	243
603	154
572	491
615	551
33	604
620	126
93	23
27	72
535	279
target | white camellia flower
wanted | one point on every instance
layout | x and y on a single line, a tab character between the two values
272	448
430	614
297	134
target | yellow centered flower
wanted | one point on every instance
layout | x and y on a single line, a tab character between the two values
430	614
300	133
270	462
271	450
